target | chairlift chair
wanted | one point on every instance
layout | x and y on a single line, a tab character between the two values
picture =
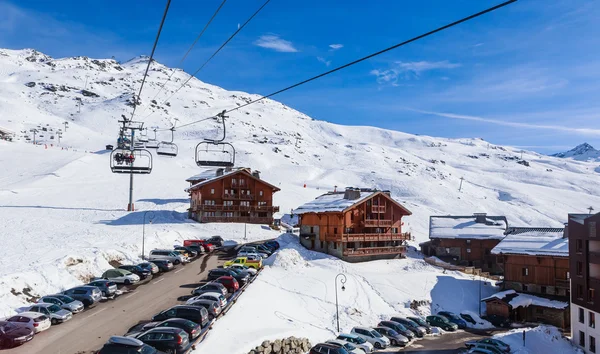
152	144
144	136
168	148
138	161
215	154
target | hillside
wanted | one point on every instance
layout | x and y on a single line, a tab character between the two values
582	152
62	210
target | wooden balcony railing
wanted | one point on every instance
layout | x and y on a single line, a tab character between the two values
562	283
353	252
378	223
238	219
378	209
258	208
237	196
367	237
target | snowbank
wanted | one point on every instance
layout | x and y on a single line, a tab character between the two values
541	339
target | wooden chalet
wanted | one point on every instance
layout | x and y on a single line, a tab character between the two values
356	225
466	240
231	195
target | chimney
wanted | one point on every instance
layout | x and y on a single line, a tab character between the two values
480	218
256	174
220	172
352	193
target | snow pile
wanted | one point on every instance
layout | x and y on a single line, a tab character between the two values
289	258
541	339
525	300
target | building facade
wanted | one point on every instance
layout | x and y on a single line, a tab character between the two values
584	258
466	240
233	195
354	225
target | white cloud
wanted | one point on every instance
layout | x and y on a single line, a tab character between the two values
324	61
336	46
409	70
277	44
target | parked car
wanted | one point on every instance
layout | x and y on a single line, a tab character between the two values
498	321
468	318
398	327
213	307
208	247
452	317
190	327
188	251
228	282
210	288
168	339
12	335
121	276
108	287
253	257
54	312
442	322
243	276
411	325
172	256
421	322
356	341
371	336
244	261
163	265
152	267
32	320
485	350
350	348
326	348
219	297
251	271
248	253
396	339
200	244
89	295
214	274
272	244
65	302
127	345
505	348
137	270
192	313
251	250
216	240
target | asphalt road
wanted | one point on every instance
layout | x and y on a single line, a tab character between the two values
89	330
448	343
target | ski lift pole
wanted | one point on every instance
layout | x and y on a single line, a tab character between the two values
130	205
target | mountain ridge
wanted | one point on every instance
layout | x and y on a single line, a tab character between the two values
582	152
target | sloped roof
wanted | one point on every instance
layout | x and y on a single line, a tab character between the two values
208	174
465	227
335	202
534	241
515	299
214	177
579	218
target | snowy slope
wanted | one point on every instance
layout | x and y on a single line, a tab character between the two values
582	152
62	211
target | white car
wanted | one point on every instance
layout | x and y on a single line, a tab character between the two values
249	253
34	320
371	336
350	348
121	276
357	341
252	271
217	297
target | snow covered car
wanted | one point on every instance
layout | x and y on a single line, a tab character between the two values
64	301
217	297
356	341
371	336
121	276
54	312
483	343
350	348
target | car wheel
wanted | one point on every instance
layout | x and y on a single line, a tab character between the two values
87	303
53	321
377	345
393	342
177	262
127	282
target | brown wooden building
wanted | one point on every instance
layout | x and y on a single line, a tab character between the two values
466	240
234	195
354	225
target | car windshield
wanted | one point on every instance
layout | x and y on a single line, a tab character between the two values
391	332
443	319
349	346
359	340
376	334
54	308
451	315
64	298
419	321
174	254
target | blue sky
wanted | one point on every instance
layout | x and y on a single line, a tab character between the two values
526	75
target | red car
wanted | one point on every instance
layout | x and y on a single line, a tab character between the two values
229	282
208	247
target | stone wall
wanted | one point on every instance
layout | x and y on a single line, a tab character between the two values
291	345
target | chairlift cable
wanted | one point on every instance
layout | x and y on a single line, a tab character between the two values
189	50
162	22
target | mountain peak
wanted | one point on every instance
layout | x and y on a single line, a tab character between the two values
582	152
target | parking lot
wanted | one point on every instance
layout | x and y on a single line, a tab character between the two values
89	330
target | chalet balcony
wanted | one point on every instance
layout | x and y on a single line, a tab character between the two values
258	208
238	219
377	209
378	223
374	251
367	237
562	283
237	196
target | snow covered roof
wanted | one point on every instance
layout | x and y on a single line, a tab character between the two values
534	241
210	176
336	201
477	226
579	218
515	299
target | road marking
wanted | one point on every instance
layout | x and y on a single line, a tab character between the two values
158	281
95	313
177	271
130	295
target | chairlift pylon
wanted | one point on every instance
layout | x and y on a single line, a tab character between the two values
137	161
168	148
216	152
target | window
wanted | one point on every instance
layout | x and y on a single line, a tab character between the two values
490	265
233	182
212	191
592	344
525	272
335	245
447	250
579	268
242	182
592	319
468	242
312	230
228	202
591	293
394	230
226	191
592	228
468	250
321	244
245	203
578	245
352	216
525	287
335	230
259	193
543	289
582	339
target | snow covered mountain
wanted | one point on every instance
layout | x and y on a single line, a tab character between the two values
582	152
62	210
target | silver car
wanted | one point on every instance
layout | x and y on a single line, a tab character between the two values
169	255
54	312
350	348
89	295
64	301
